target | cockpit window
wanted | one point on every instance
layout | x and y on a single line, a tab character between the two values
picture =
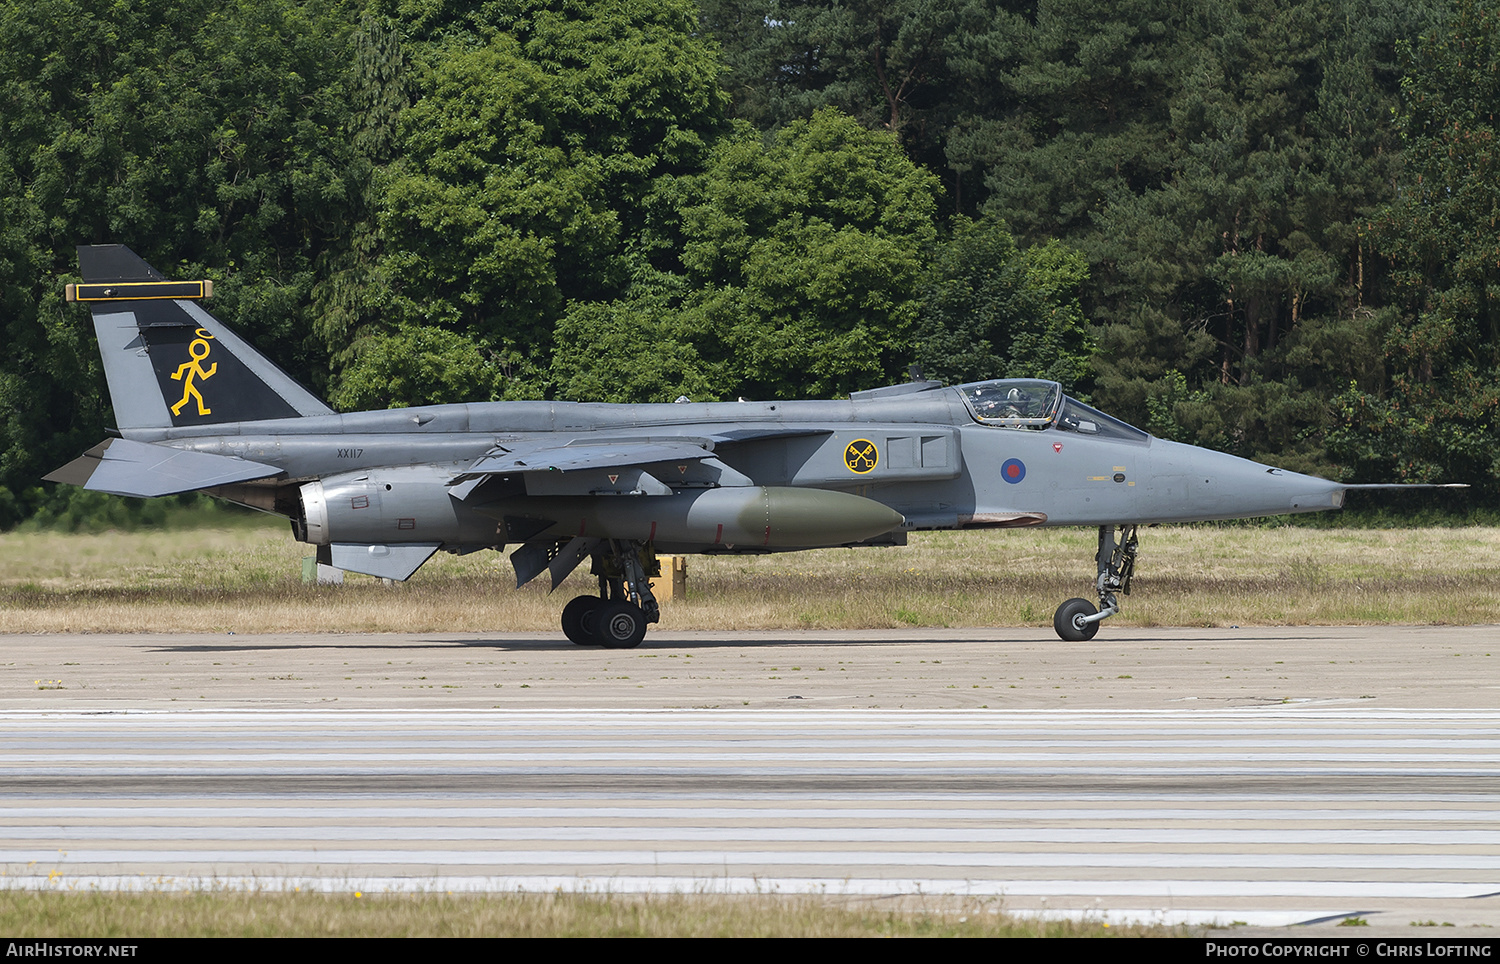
1032	403
1013	402
1078	417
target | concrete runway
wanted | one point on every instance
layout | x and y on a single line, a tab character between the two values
1263	775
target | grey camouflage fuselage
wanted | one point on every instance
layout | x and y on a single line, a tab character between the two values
379	492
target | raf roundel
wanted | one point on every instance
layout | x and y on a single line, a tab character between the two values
1013	471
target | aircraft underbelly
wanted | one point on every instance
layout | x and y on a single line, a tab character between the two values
767	517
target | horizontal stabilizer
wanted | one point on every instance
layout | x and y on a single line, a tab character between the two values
388	562
122	467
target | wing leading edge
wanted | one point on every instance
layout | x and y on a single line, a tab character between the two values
577	454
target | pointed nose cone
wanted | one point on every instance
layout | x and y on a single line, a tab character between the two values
1192	484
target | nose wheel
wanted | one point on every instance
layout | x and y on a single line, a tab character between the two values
1072	623
1077	620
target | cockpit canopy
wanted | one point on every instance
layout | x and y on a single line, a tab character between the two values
1040	405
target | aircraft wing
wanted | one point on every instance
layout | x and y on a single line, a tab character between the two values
600	466
540	456
548	455
122	467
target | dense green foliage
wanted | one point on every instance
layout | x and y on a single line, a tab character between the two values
994	307
1264	225
796	273
525	160
204	135
1435	412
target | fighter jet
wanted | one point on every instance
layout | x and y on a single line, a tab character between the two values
198	409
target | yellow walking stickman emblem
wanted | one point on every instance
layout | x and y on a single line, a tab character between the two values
188	371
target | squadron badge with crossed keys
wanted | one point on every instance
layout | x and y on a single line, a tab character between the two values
861	456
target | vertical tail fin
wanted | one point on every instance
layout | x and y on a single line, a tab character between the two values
168	362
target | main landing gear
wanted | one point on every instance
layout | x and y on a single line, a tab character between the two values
1077	620
618	616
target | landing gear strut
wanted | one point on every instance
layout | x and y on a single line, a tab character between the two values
1077	620
618	616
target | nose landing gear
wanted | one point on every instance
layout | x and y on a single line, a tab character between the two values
1077	620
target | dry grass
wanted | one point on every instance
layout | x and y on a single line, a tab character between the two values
32	914
247	579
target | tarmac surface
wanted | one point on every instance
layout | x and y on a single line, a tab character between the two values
1267	775
1386	666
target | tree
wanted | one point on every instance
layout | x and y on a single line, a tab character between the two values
201	134
349	298
1214	163
637	349
1068	109
993	309
417	365
801	258
539	130
904	66
1436	413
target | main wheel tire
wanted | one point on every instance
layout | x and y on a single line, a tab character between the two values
1065	621
620	625
579	620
